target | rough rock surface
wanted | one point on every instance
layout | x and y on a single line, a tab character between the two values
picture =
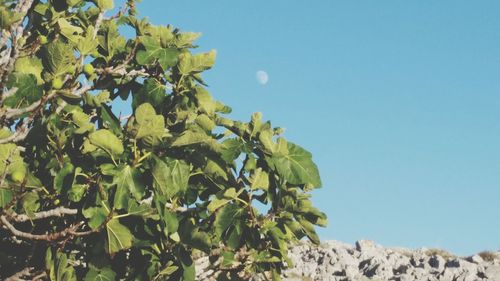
367	260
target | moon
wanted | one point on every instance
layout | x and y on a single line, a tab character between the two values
262	77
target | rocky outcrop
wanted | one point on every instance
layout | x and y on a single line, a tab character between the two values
366	260
369	261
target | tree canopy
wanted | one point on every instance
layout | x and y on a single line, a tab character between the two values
88	194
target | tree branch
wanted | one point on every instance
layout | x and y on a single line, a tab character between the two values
49	237
15	112
57	212
16	31
22	7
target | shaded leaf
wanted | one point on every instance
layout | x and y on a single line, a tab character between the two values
5	196
152	92
96	215
128	182
170	177
224	218
58	58
119	237
100	274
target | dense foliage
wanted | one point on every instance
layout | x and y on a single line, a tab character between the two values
87	194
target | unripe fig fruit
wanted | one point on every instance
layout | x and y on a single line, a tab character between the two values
57	83
43	39
17	176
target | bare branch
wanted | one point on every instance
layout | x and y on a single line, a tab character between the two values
57	212
98	22
120	70
22	7
16	31
18	135
50	237
14	112
39	276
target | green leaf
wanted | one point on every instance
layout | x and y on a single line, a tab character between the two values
200	240
205	101
215	169
96	215
308	228
147	125
97	100
27	90
119	237
231	149
30	65
87	44
64	178
205	122
167	57
58	58
107	141
227	259
192	235
216	204
224	218
76	192
171	221
168	270
30	203
110	39
100	274
5	197
9	154
296	166
186	39
104	4
259	179
140	210
82	120
61	269
110	121
189	64
128	182
266	139
71	32
192	137
170	177
152	92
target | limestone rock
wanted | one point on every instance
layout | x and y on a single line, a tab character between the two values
366	260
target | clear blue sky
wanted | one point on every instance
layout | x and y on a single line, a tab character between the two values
399	102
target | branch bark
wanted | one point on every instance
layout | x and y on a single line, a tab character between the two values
57	212
50	237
